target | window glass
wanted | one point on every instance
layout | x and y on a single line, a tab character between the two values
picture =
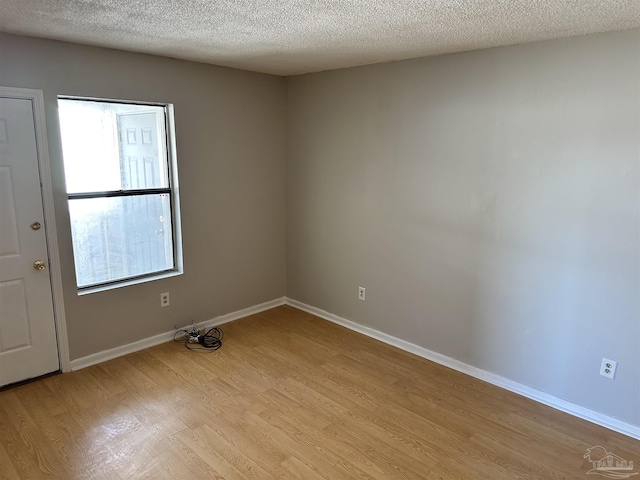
119	177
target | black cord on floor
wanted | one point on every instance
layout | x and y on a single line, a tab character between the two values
210	340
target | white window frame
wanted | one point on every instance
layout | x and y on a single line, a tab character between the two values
172	190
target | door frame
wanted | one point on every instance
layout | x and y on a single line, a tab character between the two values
55	277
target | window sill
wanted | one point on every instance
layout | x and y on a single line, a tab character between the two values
128	283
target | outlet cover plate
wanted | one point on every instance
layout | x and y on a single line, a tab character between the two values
164	299
608	368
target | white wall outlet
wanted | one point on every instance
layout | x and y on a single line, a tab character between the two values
164	299
608	368
361	293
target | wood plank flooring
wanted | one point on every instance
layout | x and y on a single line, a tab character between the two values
288	396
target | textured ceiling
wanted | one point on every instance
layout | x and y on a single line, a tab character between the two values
288	37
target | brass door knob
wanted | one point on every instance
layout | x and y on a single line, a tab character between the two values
35	226
39	265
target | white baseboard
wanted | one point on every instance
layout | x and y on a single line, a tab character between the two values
555	402
550	400
112	353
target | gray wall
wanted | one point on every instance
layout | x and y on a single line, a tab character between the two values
230	128
489	203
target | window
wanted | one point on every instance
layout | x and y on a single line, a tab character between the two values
122	188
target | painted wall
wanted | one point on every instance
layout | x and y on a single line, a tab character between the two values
489	203
230	128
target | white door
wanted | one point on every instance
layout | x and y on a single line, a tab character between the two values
141	168
28	346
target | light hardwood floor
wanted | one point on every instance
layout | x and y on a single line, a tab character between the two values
288	396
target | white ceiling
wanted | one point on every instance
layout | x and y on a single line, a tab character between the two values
288	37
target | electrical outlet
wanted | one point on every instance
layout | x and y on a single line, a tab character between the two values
361	293
164	299
608	368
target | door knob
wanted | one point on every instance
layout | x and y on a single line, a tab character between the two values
39	265
35	226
